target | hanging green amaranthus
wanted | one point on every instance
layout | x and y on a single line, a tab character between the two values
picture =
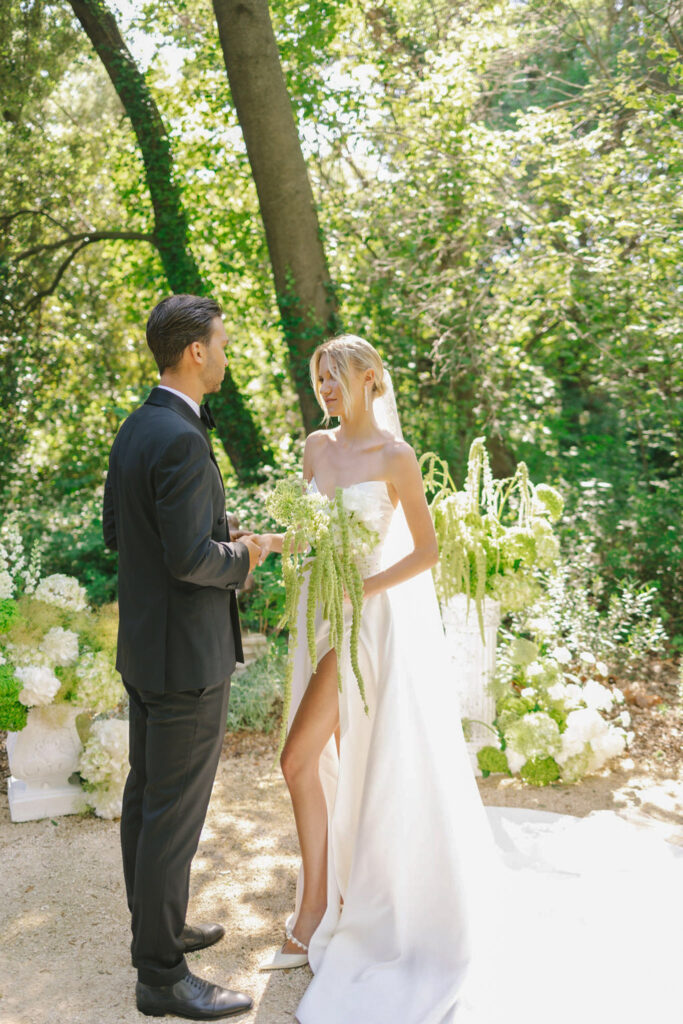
492	533
327	541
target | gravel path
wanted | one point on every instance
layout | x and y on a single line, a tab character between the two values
64	921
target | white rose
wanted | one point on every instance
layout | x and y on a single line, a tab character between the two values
60	646
40	684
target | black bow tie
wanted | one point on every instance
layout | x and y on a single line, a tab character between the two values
207	416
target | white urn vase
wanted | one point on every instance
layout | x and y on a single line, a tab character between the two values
474	665
42	757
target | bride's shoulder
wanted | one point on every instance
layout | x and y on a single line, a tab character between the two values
316	440
399	457
313	447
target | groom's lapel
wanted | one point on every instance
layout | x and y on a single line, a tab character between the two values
166	399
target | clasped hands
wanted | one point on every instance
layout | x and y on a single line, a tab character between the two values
259	545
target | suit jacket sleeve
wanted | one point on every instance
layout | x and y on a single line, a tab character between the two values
184	479
108	521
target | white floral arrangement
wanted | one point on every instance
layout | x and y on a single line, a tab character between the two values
104	766
54	649
494	535
557	715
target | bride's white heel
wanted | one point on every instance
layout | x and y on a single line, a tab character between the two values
284	961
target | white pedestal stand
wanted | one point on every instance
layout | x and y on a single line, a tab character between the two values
474	665
41	758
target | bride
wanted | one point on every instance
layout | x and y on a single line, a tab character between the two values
407	910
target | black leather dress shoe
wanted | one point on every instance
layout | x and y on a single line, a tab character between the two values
200	936
191	997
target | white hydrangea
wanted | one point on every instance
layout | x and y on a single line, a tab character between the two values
562	655
532	735
569	694
107	803
60	646
6	585
99	684
588	735
597	696
104	764
62	591
40	684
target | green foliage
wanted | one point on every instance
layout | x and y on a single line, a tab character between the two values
13	714
256	693
8	612
540	771
492	761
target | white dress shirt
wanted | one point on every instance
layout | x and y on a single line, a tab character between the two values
186	398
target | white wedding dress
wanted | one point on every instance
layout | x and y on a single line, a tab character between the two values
452	915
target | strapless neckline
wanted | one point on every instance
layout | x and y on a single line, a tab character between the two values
358	483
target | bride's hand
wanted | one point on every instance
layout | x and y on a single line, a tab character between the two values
268	542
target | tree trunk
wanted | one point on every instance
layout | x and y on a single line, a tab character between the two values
302	281
237	430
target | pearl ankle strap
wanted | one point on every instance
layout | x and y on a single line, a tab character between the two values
292	938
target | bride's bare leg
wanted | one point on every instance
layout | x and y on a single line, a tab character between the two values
315	721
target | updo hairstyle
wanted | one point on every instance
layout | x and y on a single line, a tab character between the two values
345	353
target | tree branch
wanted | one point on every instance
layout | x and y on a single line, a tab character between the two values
43	293
87	237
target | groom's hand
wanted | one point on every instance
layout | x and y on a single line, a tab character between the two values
254	548
265	543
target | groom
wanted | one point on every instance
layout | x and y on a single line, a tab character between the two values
179	639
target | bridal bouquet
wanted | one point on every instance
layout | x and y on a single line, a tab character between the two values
54	650
327	541
493	533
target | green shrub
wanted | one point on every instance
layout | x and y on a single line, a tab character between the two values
256	693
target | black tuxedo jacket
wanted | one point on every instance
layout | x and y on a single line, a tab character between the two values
164	512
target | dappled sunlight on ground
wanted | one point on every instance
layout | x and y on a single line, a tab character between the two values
65	923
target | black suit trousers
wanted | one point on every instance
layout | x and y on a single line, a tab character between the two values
175	744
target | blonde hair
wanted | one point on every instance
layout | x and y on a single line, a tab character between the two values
344	353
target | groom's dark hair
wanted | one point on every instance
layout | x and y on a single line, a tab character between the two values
175	323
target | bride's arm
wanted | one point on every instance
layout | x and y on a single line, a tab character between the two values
404	474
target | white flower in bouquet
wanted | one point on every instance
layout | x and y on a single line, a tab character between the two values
533	735
40	685
6	585
60	646
602	669
104	764
62	591
624	719
363	506
587	658
99	684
